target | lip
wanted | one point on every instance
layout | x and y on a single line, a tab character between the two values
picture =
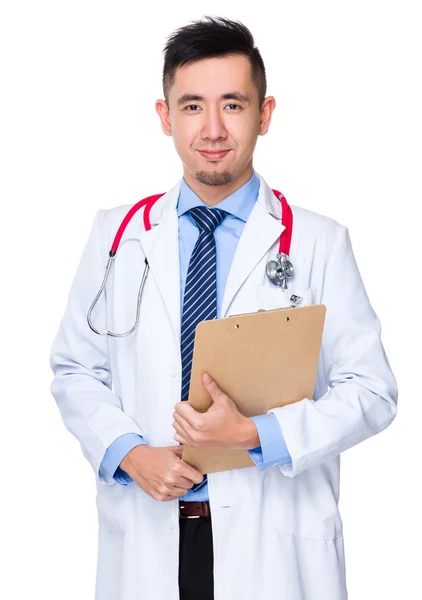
214	155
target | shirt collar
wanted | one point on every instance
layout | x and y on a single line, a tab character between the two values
240	203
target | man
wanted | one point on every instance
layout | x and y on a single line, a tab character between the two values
268	531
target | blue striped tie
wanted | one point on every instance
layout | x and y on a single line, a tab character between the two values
200	296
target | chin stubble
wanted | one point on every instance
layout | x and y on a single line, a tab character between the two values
214	178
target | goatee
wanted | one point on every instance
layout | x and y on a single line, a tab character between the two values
214	177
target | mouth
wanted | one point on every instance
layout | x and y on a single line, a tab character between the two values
214	155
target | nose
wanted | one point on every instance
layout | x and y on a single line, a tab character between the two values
213	125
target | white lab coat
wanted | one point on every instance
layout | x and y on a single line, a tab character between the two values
277	533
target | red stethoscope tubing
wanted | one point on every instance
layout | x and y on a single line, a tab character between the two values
286	212
148	203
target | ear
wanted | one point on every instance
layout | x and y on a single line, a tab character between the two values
164	114
267	109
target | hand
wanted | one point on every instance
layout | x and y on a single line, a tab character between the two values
221	426
160	471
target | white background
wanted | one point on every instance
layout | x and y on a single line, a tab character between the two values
79	132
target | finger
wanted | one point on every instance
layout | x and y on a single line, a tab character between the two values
178	491
185	410
182	440
182	422
185	482
185	430
210	385
179	428
192	474
206	378
175	492
177	450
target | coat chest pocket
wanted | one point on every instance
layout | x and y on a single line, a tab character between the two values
274	297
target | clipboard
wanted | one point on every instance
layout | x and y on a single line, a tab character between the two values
261	360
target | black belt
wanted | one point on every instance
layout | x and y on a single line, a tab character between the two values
194	509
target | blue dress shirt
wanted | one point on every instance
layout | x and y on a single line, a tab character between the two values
239	204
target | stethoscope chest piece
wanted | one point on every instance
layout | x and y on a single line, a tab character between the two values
278	272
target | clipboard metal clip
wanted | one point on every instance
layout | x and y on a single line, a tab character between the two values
295	301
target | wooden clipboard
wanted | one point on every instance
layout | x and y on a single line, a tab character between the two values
261	360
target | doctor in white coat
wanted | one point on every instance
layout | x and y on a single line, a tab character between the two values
276	532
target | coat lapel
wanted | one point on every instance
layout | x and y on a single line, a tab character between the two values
161	248
261	230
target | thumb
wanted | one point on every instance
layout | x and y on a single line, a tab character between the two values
212	388
210	385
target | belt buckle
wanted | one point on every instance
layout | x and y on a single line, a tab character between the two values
188	516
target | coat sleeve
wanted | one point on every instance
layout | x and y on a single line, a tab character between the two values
361	397
82	384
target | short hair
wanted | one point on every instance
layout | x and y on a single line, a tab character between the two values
212	37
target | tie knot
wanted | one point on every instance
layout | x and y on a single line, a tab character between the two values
207	219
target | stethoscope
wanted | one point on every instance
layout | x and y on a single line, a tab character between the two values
277	272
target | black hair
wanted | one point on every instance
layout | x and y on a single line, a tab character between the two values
212	37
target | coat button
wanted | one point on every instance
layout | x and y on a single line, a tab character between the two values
169	523
174	371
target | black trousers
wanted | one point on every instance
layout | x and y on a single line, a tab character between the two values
196	579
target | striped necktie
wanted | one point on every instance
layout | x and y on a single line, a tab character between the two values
200	295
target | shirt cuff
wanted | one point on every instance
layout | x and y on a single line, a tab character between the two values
272	449
116	452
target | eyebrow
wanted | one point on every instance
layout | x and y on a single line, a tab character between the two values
229	96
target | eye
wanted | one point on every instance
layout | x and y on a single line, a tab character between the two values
195	105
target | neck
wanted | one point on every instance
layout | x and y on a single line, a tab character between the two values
213	194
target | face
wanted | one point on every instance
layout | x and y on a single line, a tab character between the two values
214	108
